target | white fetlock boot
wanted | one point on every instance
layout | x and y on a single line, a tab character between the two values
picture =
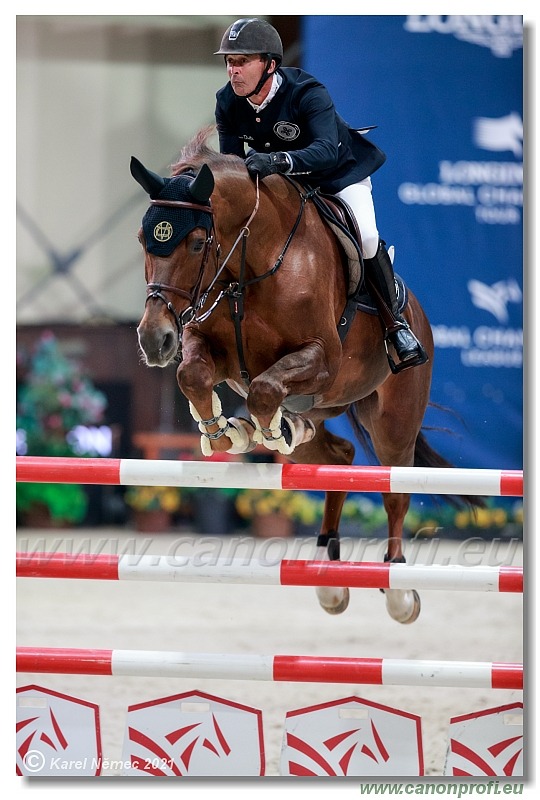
285	432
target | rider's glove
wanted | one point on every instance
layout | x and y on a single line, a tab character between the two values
264	164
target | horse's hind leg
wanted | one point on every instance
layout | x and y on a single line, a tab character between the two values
403	604
326	448
392	417
333	599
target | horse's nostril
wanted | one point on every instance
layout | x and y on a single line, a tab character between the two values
169	342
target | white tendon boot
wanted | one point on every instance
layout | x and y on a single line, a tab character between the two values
232	428
240	433
285	433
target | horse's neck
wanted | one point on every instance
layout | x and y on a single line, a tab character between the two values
267	215
234	199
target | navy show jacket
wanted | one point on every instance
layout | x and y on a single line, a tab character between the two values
301	119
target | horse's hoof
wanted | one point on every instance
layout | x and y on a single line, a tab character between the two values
417	605
341	601
404	606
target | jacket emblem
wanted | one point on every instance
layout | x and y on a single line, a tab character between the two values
287	131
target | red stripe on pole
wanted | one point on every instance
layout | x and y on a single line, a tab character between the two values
44	469
316	669
66	661
334	478
66	565
506	676
511	579
512	483
335	573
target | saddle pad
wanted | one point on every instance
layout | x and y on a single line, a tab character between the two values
365	303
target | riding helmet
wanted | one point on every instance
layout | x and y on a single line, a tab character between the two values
251	35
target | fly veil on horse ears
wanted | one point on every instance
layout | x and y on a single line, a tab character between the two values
169	220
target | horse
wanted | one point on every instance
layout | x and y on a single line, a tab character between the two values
246	284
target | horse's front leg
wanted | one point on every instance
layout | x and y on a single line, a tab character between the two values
304	372
196	377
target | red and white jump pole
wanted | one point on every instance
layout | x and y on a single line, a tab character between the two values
301	669
368	575
238	475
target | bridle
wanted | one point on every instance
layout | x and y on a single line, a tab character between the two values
155	290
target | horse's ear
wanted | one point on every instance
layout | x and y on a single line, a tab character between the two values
203	185
150	181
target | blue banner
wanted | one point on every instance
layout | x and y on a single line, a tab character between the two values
446	93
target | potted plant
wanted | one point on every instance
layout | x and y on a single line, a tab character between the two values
276	512
54	397
153	506
501	518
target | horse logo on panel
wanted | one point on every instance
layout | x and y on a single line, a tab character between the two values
496	297
499	134
193	734
56	735
487	743
351	737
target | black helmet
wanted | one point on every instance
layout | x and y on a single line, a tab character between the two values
252	35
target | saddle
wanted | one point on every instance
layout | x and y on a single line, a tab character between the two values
337	214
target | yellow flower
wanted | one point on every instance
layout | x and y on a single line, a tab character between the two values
151	498
483	517
295	505
499	517
462	519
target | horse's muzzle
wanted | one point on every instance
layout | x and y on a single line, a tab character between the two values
160	346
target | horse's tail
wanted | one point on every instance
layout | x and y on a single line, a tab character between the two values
424	456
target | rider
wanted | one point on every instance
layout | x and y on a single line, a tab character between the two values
289	122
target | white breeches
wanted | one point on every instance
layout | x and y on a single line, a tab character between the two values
358	197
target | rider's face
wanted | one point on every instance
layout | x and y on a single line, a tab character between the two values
244	72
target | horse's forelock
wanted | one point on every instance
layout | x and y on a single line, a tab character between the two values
197	152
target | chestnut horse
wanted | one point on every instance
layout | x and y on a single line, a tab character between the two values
246	284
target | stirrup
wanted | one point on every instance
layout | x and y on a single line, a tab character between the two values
416	361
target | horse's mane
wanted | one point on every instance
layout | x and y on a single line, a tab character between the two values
197	152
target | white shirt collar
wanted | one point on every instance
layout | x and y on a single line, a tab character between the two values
277	80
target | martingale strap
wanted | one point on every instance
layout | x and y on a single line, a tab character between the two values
235	296
235	292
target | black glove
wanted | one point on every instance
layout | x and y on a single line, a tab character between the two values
264	164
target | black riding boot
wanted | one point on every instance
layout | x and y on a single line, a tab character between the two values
379	277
